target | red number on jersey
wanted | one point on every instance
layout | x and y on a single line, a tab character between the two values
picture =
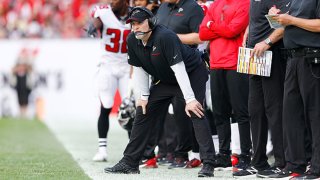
115	40
116	33
124	42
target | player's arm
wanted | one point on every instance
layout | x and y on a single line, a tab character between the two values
95	27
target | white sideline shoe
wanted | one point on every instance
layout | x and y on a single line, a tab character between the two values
100	156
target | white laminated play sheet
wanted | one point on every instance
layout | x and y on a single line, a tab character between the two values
249	64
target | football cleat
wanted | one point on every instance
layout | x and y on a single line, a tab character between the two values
100	157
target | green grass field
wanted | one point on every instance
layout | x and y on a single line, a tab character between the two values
28	150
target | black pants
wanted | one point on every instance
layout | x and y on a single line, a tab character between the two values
23	91
265	109
159	100
167	143
174	133
183	129
229	93
165	135
301	106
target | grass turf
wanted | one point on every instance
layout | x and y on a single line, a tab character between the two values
28	150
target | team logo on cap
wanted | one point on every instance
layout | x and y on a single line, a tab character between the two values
135	12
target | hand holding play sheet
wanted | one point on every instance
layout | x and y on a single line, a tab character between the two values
273	23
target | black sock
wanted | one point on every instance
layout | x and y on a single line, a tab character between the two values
103	122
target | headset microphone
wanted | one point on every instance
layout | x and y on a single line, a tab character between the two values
142	33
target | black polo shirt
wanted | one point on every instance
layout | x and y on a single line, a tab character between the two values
182	18
259	28
162	50
295	37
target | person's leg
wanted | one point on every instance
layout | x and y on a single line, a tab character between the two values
210	117
171	139
166	148
107	85
148	159
183	129
238	88
198	79
195	145
23	93
259	123
293	120
157	106
308	142
309	82
273	98
103	128
221	109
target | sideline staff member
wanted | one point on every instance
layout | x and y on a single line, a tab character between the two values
302	86
155	50
266	93
184	18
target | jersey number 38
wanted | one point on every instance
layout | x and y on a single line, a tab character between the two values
115	45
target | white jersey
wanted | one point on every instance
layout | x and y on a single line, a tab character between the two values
114	35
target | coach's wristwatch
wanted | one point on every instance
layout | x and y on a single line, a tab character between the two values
268	41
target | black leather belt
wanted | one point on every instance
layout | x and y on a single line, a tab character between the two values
300	52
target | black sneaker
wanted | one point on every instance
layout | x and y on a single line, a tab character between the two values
250	171
162	160
206	171
170	158
165	160
223	162
122	168
268	172
244	162
284	174
178	163
307	175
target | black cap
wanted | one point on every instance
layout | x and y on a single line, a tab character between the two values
138	15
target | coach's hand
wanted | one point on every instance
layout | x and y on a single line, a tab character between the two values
259	49
143	104
195	107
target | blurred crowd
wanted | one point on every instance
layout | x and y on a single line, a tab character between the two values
44	18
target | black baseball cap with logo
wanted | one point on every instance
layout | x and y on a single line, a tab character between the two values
138	15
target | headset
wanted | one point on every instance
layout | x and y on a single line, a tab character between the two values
152	20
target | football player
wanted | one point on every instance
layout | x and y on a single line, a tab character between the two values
113	69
